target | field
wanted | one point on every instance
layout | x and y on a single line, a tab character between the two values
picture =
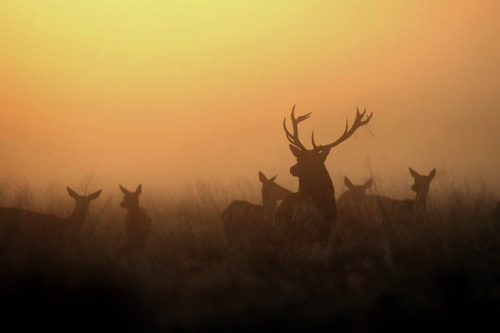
445	274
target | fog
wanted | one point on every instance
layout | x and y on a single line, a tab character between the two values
170	93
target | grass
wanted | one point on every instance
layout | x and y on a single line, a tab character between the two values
445	275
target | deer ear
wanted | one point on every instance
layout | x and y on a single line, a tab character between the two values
262	178
324	153
124	190
139	189
414	174
348	183
432	174
72	193
273	179
368	184
95	195
295	151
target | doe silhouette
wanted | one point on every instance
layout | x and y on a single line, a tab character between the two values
138	224
247	223
31	230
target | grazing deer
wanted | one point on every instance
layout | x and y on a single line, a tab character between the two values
379	218
138	224
245	222
43	231
311	214
355	201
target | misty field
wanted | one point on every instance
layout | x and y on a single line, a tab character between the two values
445	272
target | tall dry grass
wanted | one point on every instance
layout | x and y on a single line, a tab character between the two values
445	272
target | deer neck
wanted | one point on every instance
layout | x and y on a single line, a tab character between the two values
134	211
77	218
420	204
319	187
268	209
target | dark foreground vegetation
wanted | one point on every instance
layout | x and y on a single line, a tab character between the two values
445	274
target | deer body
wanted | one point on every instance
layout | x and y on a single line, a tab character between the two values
310	215
24	227
355	202
138	224
377	221
245	222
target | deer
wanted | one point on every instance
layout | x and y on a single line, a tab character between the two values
381	219
311	214
138	224
40	231
245	222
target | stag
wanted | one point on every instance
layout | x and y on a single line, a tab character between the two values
310	215
245	222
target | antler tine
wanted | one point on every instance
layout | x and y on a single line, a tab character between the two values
358	122
312	139
294	138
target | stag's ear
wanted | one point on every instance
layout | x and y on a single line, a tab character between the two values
368	184
414	174
273	179
139	189
295	151
262	178
72	193
432	174
348	183
324	153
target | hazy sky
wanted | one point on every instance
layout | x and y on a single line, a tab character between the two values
166	92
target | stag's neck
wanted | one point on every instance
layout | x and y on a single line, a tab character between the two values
319	188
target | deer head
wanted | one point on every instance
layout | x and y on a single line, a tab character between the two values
130	199
358	190
271	191
422	183
310	162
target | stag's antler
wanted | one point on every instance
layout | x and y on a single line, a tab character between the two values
358	122
294	138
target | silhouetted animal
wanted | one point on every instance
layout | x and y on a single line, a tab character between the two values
355	201
309	215
245	222
379	221
138	224
37	231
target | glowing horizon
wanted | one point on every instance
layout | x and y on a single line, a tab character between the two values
164	91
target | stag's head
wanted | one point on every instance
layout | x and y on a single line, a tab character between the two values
310	161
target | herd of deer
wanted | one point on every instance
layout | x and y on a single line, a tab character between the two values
310	216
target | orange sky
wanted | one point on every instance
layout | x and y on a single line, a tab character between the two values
164	92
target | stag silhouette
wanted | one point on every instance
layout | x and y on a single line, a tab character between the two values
309	215
246	223
37	231
138	224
